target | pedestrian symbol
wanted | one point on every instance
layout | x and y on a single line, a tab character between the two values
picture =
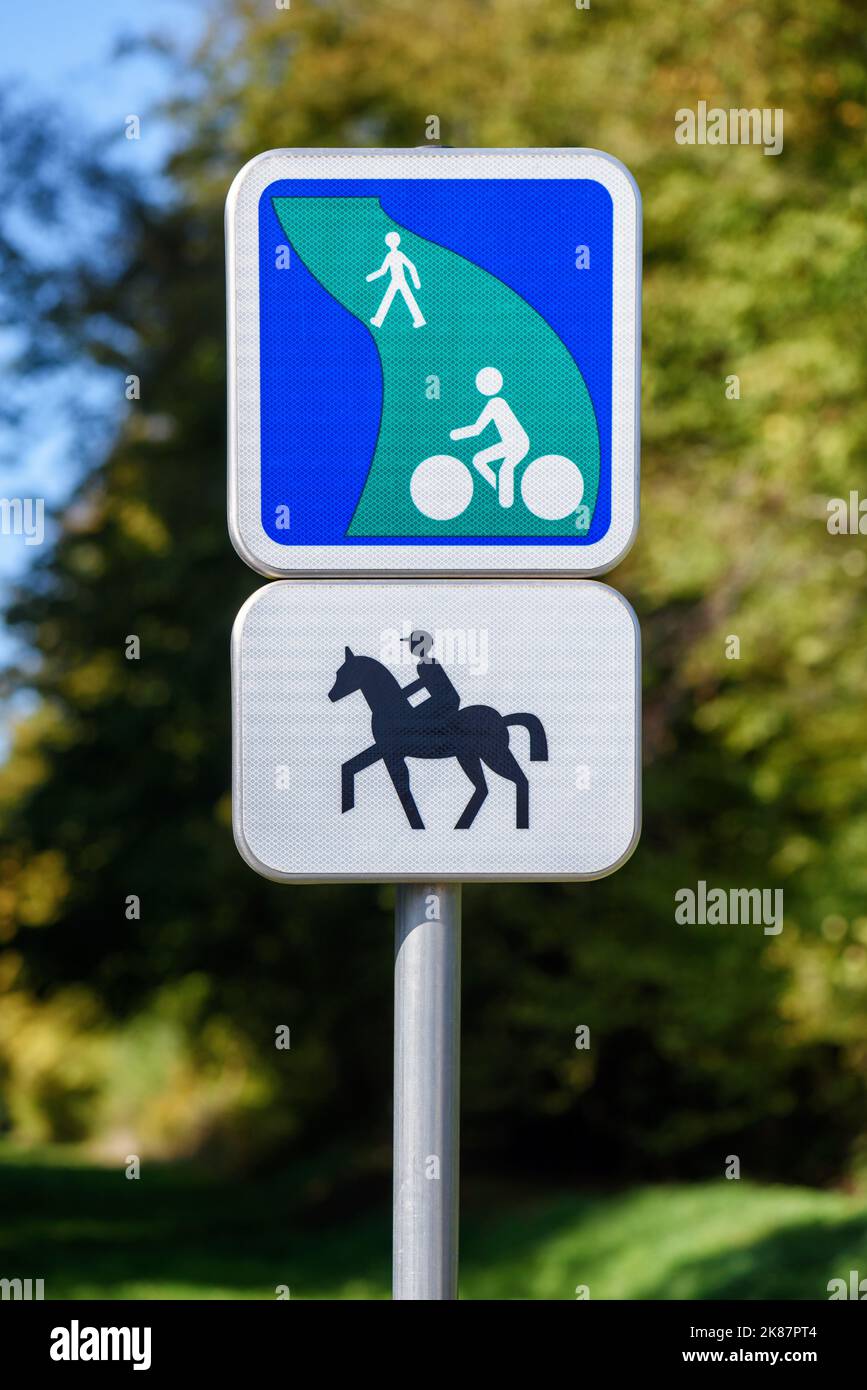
429	380
397	265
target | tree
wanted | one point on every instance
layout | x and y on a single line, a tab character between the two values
701	1037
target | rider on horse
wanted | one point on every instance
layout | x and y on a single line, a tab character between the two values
442	696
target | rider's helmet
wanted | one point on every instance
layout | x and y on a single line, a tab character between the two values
420	644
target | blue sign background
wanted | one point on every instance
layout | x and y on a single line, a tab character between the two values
320	375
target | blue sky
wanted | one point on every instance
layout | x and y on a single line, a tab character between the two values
61	51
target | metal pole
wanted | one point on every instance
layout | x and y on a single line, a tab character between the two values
427	1049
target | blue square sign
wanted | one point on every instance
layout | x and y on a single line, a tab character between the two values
433	361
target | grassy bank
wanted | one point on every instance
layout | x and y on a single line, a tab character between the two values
178	1232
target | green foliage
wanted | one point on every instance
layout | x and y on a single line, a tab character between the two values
705	1039
179	1232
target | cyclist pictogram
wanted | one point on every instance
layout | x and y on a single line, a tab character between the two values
551	487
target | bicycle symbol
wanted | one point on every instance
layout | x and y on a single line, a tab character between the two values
551	487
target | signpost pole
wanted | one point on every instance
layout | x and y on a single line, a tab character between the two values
427	983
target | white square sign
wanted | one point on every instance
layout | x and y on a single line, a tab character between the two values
398	730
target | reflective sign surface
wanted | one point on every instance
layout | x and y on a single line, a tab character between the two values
399	730
433	361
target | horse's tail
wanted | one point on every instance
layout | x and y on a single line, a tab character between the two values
538	741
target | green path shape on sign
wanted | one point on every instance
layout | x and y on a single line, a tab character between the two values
472	320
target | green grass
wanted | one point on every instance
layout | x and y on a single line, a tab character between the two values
180	1233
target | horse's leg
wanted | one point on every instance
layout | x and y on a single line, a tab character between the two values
397	771
473	768
349	771
506	764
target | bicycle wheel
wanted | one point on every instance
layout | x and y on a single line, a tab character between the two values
441	487
552	487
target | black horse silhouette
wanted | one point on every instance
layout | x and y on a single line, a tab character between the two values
475	735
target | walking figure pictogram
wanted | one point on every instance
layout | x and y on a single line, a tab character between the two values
396	264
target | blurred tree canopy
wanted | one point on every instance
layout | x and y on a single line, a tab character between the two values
705	1040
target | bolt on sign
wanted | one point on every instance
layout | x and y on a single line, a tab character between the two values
447	729
433	361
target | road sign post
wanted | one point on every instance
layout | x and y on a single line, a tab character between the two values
427	993
433	418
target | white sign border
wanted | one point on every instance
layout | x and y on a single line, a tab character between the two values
276	561
248	855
